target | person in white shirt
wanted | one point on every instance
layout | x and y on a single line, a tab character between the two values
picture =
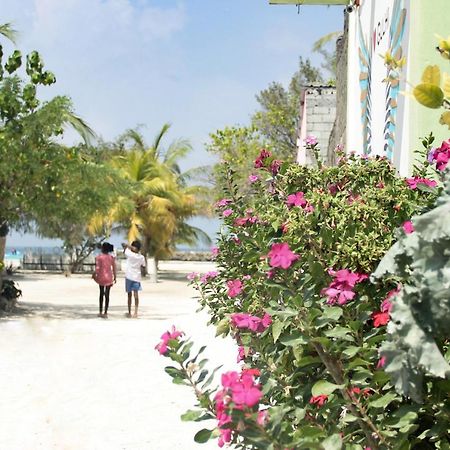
133	274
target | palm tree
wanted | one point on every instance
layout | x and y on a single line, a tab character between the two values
161	200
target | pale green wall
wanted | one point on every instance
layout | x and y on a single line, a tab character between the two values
428	18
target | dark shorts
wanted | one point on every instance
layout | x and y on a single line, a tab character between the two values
131	285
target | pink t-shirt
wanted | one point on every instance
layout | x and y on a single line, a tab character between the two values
104	274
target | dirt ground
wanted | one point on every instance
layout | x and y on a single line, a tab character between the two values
73	381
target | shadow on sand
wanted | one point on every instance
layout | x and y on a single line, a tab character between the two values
71	312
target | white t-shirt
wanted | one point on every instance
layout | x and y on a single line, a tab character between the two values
134	263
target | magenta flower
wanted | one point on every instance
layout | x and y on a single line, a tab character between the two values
207	276
261	159
253	178
192	276
229	378
215	251
311	140
234	288
297	199
223	202
253	323
318	400
408	227
262	417
227	212
163	346
340	290
280	255
381	362
245	392
441	155
241	354
413	183
275	166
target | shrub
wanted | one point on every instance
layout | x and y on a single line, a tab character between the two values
293	289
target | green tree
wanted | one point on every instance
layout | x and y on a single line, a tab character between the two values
28	132
161	198
278	118
238	146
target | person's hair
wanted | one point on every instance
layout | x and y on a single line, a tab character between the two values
107	247
137	245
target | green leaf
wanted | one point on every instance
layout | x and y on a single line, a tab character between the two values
203	436
432	75
324	387
277	328
340	333
294	339
332	313
429	95
383	401
351	351
191	415
333	442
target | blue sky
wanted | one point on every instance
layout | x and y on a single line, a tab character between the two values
195	63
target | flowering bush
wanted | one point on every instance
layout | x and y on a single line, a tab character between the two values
305	315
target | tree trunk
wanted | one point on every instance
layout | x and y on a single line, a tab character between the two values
3	233
152	265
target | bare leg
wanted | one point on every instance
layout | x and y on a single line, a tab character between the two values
129	303
100	300
136	303
107	290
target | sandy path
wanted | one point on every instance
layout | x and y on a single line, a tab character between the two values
73	381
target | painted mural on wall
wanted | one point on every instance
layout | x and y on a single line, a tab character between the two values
381	29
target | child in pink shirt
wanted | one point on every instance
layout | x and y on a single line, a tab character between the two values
105	276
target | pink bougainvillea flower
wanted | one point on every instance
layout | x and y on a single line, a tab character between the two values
229	378
340	290
245	392
240	221
223	202
310	140
247	277
281	255
227	212
225	436
262	417
275	166
414	182
381	362
297	199
441	155
236	240
192	276
318	400
162	346
241	354
207	276
408	227
386	306
260	160
234	288
380	318
309	208
266	321
252	323
215	251
270	274
253	178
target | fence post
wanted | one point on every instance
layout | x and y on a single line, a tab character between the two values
40	261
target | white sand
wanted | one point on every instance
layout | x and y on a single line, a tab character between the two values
70	380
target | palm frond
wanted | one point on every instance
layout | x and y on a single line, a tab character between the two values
156	143
134	137
324	40
8	32
80	126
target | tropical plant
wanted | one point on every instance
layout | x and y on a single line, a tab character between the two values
293	289
160	198
434	89
28	132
